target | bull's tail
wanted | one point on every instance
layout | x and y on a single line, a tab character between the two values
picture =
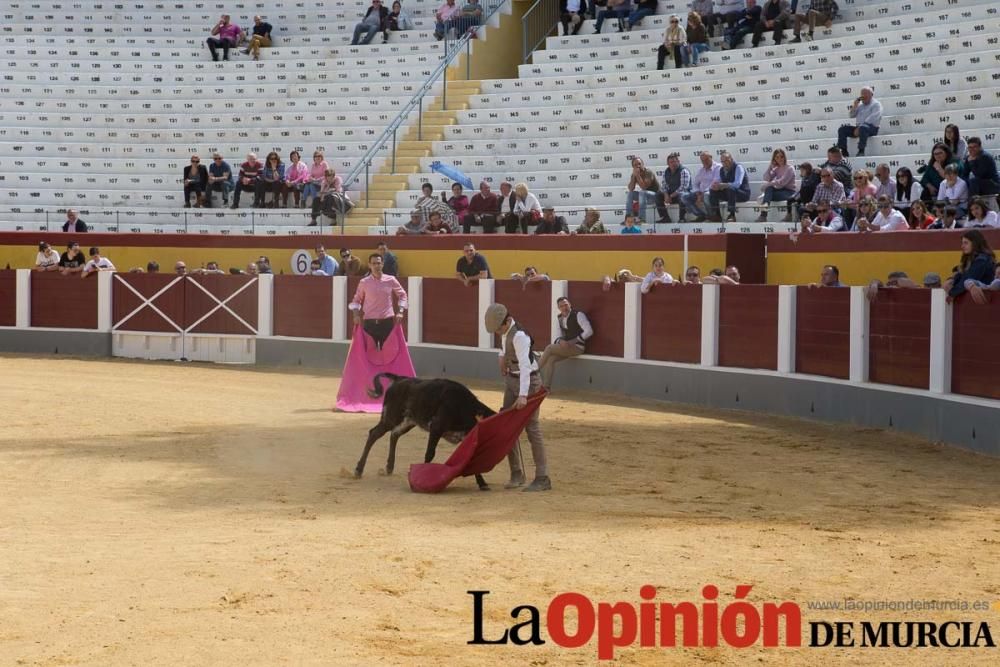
377	388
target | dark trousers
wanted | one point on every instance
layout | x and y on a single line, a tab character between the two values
661	56
759	28
222	187
241	187
664	213
216	43
847	131
716	197
566	18
488	221
197	188
512	221
710	21
329	204
296	190
265	187
379	330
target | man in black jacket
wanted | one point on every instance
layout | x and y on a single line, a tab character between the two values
74	223
375	20
550	223
574	330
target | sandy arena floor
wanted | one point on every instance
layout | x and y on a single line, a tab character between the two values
193	515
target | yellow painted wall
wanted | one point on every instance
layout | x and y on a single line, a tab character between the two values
563	265
856	268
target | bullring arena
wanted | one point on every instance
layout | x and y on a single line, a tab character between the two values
195	515
775	441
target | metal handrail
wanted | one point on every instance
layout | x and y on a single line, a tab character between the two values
536	25
451	51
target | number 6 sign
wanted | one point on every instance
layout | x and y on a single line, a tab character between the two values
300	262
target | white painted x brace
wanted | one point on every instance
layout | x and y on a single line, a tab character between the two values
148	303
222	305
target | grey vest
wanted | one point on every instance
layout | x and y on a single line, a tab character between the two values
510	355
572	329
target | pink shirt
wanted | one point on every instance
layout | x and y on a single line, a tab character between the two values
448	11
318	171
229	32
297	172
860	193
374	297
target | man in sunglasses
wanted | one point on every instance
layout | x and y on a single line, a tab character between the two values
220	177
826	220
887	219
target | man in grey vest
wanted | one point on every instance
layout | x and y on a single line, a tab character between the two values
574	330
520	373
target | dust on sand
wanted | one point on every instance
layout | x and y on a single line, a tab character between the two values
168	514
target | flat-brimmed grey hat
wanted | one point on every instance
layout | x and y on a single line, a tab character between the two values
495	315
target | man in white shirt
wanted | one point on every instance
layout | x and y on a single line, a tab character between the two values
826	220
520	373
887	219
575	329
97	263
867	114
954	191
47	259
696	199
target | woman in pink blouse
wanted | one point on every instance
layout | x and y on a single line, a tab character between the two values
863	189
778	185
330	198
296	177
316	173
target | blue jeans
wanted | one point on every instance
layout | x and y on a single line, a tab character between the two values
864	131
690	204
309	190
643	197
620	14
692	52
369	31
638	15
777	194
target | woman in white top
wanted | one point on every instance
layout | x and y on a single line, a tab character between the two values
954	191
908	191
658	276
526	210
980	216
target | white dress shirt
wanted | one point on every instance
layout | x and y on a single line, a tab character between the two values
522	348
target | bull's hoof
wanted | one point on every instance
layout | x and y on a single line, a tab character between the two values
347	474
384	473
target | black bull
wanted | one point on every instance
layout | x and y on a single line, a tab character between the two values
444	408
